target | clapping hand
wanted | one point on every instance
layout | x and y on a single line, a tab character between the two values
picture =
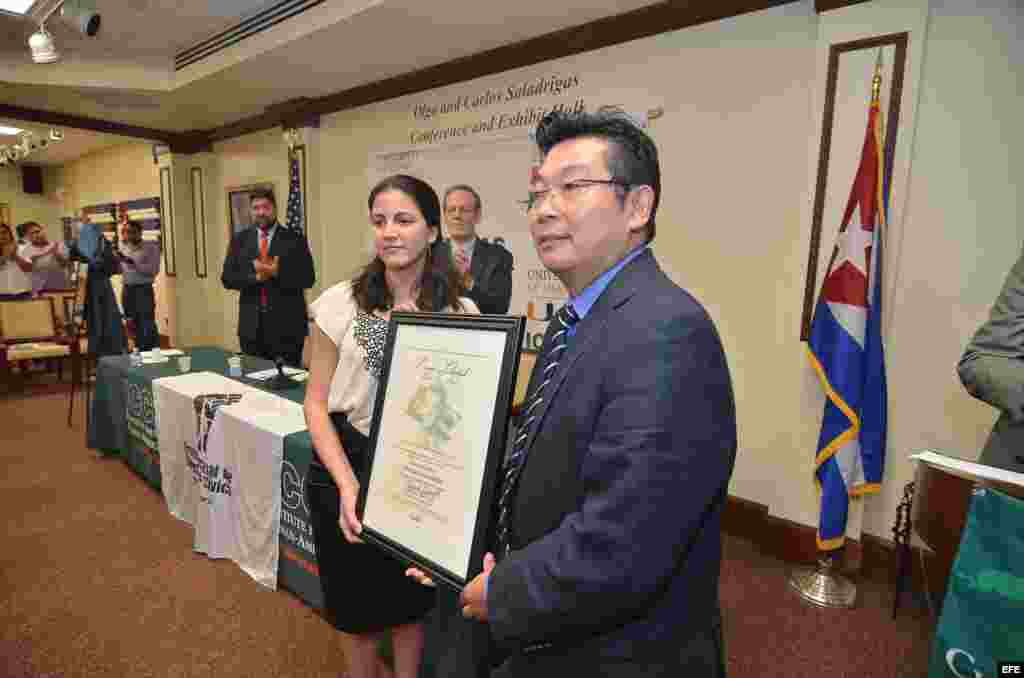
50	249
461	262
266	269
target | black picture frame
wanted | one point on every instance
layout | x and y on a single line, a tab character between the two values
375	505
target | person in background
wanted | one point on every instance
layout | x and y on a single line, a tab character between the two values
992	370
366	592
486	268
140	264
48	259
272	268
15	271
101	314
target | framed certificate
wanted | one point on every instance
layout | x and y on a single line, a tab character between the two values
437	439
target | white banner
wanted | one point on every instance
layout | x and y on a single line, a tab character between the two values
243	517
177	424
222	447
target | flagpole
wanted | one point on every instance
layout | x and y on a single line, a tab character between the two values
823	584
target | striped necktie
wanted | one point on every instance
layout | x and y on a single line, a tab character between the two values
566	318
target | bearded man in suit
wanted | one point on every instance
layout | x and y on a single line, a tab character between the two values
272	268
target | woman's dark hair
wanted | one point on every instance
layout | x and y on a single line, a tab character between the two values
440	286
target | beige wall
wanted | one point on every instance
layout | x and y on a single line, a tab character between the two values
738	131
256	158
116	174
44	208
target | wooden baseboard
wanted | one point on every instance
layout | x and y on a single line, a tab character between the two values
869	557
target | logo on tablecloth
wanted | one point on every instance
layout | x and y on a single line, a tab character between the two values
293	488
141	415
213	478
295	526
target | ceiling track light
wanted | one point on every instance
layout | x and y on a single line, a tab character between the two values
81	14
41	45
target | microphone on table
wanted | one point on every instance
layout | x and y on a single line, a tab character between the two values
280	381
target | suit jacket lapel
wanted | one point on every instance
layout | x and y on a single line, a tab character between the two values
621	289
476	266
276	242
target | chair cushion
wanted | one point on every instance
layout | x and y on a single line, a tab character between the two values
27	319
37	351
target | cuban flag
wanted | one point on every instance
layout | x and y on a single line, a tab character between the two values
845	350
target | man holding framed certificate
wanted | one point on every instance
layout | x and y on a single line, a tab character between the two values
610	511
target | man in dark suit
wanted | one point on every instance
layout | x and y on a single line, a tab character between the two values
272	267
486	267
609	526
992	369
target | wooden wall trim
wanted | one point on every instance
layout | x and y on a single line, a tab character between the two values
899	40
669	15
870	557
92	124
641	23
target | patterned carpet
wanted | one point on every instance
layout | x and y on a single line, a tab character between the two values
98	580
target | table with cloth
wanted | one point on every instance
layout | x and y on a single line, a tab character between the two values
240	484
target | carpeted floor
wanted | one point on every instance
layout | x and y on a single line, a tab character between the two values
98	580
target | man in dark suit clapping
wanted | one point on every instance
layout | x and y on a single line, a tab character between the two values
272	267
609	521
486	267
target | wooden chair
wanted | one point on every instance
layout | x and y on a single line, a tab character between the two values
61	299
29	331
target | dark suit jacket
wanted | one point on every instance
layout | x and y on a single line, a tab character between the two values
992	369
616	544
286	302
491	268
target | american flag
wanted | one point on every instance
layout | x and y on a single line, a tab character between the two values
294	216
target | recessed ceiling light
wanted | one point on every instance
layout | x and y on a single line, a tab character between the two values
16	6
10	130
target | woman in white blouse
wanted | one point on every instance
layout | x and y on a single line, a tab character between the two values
365	590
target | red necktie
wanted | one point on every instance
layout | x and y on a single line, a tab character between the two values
263	257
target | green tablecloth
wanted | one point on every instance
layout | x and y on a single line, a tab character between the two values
123	421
